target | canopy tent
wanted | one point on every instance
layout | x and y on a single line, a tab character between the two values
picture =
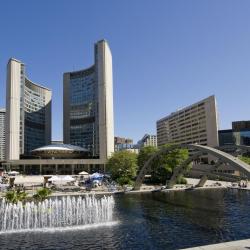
96	176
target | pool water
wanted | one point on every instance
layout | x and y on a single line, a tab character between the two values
171	220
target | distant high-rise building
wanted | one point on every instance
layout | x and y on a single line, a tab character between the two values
148	140
28	112
122	143
241	131
196	123
226	137
88	105
2	134
238	135
238	126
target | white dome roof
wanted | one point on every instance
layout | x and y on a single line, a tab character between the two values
60	147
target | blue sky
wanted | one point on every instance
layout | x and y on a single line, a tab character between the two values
166	54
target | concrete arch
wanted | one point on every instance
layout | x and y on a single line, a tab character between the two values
179	170
222	157
147	166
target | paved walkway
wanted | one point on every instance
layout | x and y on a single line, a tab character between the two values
193	181
36	180
210	183
231	245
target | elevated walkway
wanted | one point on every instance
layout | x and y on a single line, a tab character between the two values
222	157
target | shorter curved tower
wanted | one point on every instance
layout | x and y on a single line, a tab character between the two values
28	112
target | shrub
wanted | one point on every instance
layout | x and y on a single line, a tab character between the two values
15	195
181	180
42	194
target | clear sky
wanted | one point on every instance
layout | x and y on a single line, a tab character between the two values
166	54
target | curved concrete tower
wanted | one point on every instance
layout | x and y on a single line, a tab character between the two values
28	112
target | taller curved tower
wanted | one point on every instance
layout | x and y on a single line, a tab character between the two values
28	112
88	105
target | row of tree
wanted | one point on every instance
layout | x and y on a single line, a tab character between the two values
124	165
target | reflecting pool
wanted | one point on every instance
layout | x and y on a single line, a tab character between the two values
151	221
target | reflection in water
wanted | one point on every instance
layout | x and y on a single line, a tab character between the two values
156	221
204	208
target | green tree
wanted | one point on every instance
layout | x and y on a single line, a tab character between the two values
164	164
14	196
122	166
144	154
42	194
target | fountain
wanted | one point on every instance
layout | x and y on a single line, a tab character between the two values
56	213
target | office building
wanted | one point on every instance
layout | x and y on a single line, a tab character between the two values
88	105
226	137
196	123
122	143
2	134
241	131
147	140
238	135
28	112
240	126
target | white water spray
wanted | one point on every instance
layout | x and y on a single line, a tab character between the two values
56	213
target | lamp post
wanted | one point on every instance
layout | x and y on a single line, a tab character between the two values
40	165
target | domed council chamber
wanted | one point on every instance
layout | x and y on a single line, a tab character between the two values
60	151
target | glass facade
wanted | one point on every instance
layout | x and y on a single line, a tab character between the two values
226	137
84	110
32	115
22	87
2	134
34	118
231	137
242	137
241	132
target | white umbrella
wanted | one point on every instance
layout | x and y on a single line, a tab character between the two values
13	172
83	173
68	178
54	178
